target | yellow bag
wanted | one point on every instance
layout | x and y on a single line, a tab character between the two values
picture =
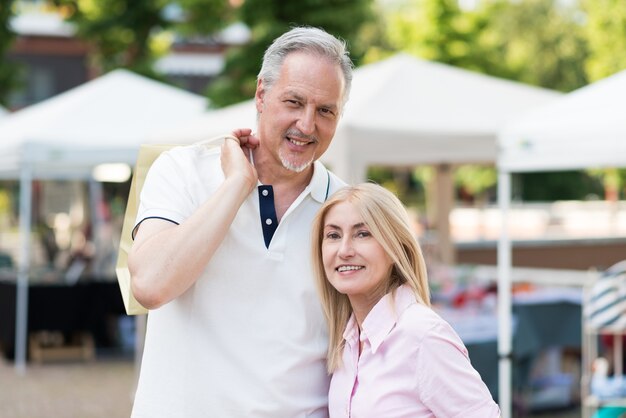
147	154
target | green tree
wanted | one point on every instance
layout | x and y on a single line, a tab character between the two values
551	186
268	19
613	181
539	42
125	33
9	71
606	34
438	30
476	180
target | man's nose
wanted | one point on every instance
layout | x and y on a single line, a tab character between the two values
306	122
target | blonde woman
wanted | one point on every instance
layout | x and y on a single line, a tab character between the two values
390	354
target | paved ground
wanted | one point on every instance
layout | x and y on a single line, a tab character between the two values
98	389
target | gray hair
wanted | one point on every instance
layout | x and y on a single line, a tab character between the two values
310	40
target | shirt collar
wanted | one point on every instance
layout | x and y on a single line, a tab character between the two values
384	315
319	182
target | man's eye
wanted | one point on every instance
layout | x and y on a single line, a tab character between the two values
293	102
327	112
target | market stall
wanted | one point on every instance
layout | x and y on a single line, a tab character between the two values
583	129
67	136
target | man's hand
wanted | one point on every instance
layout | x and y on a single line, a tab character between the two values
246	139
236	157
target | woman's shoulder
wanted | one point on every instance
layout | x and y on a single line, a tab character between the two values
420	321
420	317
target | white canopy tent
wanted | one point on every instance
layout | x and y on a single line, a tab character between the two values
104	120
405	111
402	111
65	137
583	129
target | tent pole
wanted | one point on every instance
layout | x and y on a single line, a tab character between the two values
444	180
21	306
504	298
96	200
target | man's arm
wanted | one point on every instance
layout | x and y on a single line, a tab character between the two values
166	259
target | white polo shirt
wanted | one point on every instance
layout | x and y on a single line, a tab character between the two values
248	339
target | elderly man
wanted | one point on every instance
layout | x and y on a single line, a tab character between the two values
235	327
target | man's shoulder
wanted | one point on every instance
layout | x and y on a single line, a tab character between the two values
189	157
196	151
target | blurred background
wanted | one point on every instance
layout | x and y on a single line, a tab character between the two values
84	82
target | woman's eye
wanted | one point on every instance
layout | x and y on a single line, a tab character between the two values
363	234
332	235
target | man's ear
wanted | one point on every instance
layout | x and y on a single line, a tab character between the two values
259	96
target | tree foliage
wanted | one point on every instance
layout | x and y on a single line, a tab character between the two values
606	35
475	179
550	186
437	30
267	20
540	42
534	41
9	71
124	33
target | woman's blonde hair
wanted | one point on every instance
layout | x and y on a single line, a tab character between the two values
389	224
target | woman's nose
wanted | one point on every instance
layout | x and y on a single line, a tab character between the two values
346	248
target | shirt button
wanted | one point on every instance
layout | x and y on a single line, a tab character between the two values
265	192
268	221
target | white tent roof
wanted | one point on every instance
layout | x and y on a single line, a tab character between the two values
104	120
3	112
403	111
586	128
